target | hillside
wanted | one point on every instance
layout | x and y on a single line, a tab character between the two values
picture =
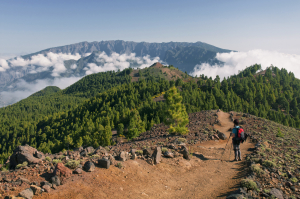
206	171
70	118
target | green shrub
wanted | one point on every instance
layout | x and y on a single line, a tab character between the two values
164	150
95	156
55	161
249	184
266	190
62	157
24	164
140	152
269	164
119	165
48	159
256	169
183	140
72	164
279	134
294	179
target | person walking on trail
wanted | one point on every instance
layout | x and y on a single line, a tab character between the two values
236	140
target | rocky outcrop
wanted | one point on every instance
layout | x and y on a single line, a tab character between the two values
25	154
62	171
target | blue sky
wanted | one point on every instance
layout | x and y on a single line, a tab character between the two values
33	25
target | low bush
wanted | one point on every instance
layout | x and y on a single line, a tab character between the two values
55	161
249	184
294	179
140	152
269	164
164	150
119	165
256	169
72	164
183	140
48	159
24	164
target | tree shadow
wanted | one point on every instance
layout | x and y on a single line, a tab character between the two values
47	176
241	172
202	157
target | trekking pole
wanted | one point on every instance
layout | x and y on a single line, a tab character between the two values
230	151
224	149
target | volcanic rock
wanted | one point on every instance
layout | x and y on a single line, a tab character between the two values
157	155
89	166
222	136
55	180
36	189
47	188
104	163
25	153
62	170
27	193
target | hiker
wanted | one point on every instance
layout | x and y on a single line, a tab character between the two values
236	141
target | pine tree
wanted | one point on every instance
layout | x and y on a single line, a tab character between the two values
175	113
120	129
79	142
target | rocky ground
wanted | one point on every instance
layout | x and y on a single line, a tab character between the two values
158	165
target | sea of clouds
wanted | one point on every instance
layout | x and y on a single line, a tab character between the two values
119	62
238	61
43	62
233	62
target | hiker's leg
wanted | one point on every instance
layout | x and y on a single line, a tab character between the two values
239	154
235	154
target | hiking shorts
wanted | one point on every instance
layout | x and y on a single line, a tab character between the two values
236	147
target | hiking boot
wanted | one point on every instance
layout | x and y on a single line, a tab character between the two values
235	160
240	159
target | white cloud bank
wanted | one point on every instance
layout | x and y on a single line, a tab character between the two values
237	61
117	61
3	65
26	89
41	62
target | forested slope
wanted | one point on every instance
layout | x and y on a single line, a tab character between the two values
272	94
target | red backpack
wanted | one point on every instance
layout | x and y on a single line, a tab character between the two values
241	135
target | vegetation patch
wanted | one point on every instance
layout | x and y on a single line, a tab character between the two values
72	164
249	184
24	164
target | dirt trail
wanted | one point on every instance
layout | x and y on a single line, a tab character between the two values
204	176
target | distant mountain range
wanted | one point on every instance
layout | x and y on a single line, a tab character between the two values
182	55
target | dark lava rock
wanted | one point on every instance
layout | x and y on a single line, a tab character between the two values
45	183
55	180
185	152
89	166
24	154
222	136
104	163
147	152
